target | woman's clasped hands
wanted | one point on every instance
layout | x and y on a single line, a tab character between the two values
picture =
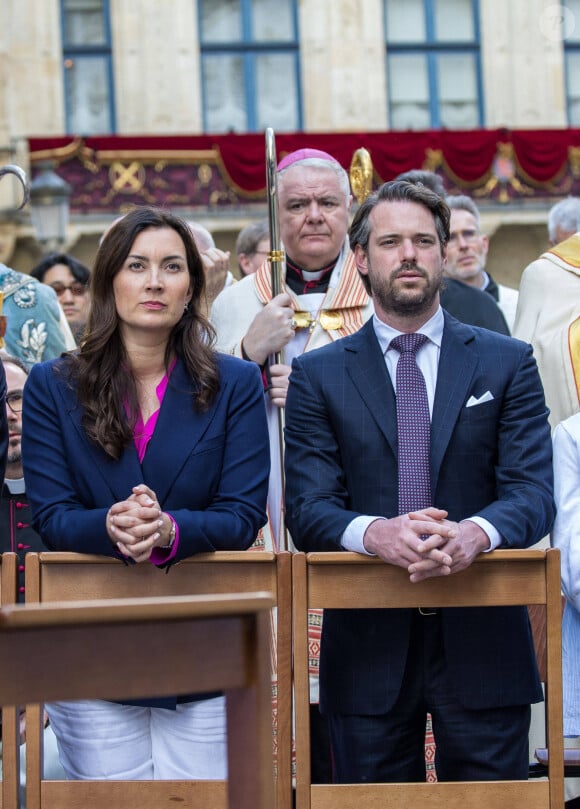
137	525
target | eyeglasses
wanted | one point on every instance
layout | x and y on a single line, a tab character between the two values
14	401
77	289
467	235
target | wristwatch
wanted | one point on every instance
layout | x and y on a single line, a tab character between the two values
171	535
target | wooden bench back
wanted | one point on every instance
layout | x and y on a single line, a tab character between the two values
10	724
70	577
342	580
136	647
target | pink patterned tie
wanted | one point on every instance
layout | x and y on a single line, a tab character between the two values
413	426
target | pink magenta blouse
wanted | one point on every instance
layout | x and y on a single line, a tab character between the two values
142	435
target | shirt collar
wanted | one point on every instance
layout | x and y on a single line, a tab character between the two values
15	485
433	329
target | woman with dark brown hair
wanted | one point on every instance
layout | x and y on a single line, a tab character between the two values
149	445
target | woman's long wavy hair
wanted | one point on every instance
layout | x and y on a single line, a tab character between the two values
100	369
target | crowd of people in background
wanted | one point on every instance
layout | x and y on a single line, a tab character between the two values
141	421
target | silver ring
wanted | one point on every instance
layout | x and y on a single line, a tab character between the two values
293	324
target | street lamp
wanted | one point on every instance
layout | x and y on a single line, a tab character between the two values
49	207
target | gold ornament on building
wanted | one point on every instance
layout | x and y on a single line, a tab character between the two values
204	174
574	160
504	175
127	178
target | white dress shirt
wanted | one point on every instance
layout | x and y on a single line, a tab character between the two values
428	361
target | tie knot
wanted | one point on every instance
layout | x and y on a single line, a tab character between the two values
409	343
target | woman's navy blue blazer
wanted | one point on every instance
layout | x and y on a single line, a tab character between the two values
209	470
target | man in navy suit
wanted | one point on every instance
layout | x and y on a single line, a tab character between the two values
489	472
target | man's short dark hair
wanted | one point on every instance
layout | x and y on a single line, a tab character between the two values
423	177
77	268
398	191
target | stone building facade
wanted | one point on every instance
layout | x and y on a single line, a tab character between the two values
342	49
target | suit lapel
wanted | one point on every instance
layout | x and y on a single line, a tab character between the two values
457	364
366	367
119	476
178	430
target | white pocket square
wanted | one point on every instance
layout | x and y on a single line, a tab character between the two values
486	397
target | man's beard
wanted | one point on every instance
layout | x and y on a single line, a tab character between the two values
14	455
401	301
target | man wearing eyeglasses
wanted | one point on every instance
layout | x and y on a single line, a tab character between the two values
70	280
467	253
16	534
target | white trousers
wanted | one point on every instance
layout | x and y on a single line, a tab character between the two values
100	740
